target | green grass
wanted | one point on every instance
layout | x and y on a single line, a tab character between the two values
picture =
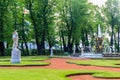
27	58
26	61
49	74
44	74
105	63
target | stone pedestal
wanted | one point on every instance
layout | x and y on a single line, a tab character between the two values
15	56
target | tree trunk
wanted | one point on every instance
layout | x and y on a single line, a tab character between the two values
115	44
45	27
70	47
86	39
2	47
35	29
49	41
63	40
111	41
22	48
83	37
118	38
118	50
24	35
76	47
61	48
42	47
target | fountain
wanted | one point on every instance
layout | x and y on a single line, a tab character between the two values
98	45
98	48
110	52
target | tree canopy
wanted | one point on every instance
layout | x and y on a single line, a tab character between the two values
68	23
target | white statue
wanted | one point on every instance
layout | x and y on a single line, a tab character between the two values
15	39
15	54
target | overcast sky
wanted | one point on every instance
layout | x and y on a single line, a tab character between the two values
98	2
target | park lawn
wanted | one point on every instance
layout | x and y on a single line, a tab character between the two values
25	61
36	58
26	58
105	63
49	74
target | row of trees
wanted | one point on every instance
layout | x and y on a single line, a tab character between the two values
112	13
65	22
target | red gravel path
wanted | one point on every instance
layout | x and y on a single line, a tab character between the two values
60	63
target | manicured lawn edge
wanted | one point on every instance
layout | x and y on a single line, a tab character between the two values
61	57
70	62
96	74
24	65
91	65
25	61
27	58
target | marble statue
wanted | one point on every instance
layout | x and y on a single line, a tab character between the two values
16	54
15	40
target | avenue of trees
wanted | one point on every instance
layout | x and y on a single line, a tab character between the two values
68	23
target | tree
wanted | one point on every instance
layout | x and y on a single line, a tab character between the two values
111	11
40	13
110	8
73	22
4	22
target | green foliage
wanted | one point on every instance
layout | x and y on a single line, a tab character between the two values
112	13
66	22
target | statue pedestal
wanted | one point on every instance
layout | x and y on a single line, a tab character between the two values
15	56
91	55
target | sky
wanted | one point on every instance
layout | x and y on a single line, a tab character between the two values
98	2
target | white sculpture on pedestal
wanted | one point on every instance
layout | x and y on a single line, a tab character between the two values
16	54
